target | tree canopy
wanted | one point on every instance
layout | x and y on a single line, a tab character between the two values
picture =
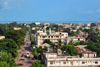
9	46
70	49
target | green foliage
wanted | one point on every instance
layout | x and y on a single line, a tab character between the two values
73	33
67	30
93	37
94	47
4	64
70	49
77	43
7	60
59	43
93	24
9	46
37	64
47	41
16	35
50	43
80	54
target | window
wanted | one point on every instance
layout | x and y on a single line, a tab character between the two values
96	62
83	62
78	39
71	63
51	62
64	62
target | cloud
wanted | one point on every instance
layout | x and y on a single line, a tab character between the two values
7	4
87	12
98	10
3	5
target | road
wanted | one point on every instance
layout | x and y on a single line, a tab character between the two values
24	48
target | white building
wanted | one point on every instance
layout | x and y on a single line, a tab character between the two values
17	28
2	37
46	24
55	60
53	36
37	23
74	39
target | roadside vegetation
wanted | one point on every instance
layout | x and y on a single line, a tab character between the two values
12	42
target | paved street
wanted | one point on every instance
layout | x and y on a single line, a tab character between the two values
24	48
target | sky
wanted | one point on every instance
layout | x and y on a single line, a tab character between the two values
49	10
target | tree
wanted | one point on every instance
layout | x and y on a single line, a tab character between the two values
47	41
70	49
93	24
7	60
82	43
50	43
67	30
37	64
4	64
93	37
59	43
9	46
77	43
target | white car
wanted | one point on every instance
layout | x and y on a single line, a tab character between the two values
28	54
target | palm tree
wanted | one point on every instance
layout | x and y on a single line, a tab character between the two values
59	43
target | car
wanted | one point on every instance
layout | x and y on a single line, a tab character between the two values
23	58
22	55
28	54
27	44
20	64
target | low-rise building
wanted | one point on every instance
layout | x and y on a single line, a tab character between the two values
86	53
2	37
15	28
37	23
74	39
46	24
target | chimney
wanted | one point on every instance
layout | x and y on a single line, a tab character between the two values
49	30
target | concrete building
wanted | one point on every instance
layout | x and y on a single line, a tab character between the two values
46	24
56	60
2	37
37	23
53	36
17	28
74	39
86	53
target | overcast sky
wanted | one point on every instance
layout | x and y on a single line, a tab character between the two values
49	10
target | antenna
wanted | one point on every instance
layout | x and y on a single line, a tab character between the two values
90	18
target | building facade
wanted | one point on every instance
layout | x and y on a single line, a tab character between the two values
53	60
53	36
74	39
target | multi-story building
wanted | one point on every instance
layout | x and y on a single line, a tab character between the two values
53	36
56	60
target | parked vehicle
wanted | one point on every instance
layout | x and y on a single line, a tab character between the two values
23	58
28	54
22	55
27	44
